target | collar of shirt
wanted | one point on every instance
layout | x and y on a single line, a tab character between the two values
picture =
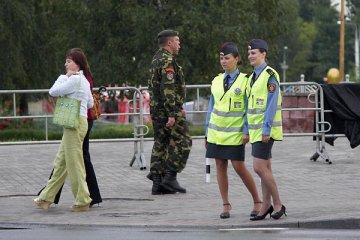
166	51
232	75
259	69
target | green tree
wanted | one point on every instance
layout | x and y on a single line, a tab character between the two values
325	46
16	28
298	42
119	37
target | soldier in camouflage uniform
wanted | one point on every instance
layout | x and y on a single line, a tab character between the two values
172	141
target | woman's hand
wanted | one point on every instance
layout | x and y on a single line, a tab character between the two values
265	138
245	139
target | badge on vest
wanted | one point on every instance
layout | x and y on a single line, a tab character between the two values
259	101
237	104
237	91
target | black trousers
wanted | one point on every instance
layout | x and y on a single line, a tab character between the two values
90	172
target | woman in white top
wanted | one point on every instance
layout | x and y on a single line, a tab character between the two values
69	159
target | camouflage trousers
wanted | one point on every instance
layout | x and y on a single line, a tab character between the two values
171	145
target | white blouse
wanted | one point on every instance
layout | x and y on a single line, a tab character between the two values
69	87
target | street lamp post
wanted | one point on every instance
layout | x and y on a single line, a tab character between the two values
347	20
342	39
284	66
357	65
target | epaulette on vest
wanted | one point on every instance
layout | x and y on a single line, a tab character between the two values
270	72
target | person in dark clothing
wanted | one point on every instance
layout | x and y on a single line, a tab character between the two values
172	140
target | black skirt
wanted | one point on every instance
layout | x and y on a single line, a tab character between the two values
225	152
262	150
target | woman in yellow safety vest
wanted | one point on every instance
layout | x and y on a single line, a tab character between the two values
224	123
263	125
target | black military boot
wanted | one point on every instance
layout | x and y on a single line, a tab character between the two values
149	176
156	188
169	182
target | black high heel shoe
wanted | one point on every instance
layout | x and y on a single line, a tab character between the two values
261	217
278	214
224	215
254	212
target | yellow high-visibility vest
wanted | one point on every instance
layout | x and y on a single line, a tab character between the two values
227	117
257	99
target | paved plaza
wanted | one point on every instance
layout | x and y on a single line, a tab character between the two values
316	194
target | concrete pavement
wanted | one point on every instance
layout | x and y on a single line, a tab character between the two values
316	194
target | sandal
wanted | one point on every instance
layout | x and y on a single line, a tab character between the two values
224	215
41	203
80	208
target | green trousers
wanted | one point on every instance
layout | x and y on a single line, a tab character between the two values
171	145
69	161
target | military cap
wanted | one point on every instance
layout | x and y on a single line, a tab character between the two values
168	33
258	44
228	48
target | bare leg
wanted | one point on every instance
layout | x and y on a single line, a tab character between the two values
222	179
248	181
269	189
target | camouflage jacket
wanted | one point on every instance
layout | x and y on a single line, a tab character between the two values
166	84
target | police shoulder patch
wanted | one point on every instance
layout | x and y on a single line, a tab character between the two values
271	87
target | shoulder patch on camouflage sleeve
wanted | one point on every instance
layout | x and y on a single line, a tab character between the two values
170	73
271	87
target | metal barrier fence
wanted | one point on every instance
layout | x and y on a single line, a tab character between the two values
135	105
322	127
140	130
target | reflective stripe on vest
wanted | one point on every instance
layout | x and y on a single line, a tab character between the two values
260	111
228	114
258	126
225	129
